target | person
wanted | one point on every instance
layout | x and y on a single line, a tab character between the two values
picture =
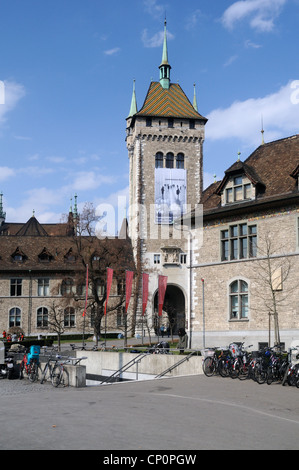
4	334
183	340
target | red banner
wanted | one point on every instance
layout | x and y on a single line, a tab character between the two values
109	284
145	278
86	291
129	282
161	294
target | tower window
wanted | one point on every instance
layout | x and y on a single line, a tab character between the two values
149	122
180	161
159	160
170	123
169	160
191	124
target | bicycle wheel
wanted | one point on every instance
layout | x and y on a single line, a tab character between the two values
209	366
45	374
260	374
21	372
32	372
244	372
223	368
56	375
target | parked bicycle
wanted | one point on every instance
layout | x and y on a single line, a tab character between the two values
30	364
55	371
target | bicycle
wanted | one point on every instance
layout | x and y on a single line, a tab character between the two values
215	362
30	367
56	372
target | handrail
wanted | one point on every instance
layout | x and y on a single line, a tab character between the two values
125	367
184	359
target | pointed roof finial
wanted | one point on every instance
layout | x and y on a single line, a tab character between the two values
2	214
194	99
164	66
262	131
75	207
239	153
133	108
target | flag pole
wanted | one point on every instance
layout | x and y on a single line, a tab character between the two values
84	313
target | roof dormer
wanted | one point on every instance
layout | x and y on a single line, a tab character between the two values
240	184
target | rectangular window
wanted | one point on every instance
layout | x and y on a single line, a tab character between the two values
183	258
157	259
16	287
43	287
238	242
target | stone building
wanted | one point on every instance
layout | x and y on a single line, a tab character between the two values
165	146
43	271
245	273
232	268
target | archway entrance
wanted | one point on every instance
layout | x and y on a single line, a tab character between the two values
173	309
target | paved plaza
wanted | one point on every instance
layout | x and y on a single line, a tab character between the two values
190	413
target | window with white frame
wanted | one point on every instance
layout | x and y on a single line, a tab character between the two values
157	258
69	317
43	286
238	300
15	317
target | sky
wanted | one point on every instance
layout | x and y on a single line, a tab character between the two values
66	78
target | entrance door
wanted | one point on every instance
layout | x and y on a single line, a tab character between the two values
173	308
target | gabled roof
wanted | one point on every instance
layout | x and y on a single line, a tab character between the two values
170	102
32	228
236	169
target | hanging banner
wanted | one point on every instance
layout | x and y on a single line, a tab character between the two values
161	292
145	278
109	284
129	282
86	291
170	194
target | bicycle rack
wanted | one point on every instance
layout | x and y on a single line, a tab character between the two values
186	358
116	374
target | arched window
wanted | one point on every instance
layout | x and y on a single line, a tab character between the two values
159	160
69	317
169	160
42	317
238	300
15	317
180	160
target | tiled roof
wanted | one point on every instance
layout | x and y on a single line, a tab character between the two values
170	102
273	165
58	248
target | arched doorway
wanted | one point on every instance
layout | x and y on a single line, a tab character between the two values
173	308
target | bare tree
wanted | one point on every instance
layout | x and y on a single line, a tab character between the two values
272	271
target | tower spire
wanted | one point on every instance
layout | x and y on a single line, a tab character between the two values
195	100
133	108
2	214
165	67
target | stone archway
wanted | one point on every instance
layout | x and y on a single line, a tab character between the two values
173	308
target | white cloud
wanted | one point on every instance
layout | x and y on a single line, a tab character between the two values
260	13
242	120
13	92
6	173
87	180
156	40
113	51
153	8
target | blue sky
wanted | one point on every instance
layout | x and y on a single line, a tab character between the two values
68	67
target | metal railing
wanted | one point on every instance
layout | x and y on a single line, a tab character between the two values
129	364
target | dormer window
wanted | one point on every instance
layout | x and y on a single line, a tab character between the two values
18	256
45	256
238	190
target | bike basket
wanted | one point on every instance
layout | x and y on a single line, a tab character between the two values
208	352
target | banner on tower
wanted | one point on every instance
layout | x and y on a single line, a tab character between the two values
170	194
